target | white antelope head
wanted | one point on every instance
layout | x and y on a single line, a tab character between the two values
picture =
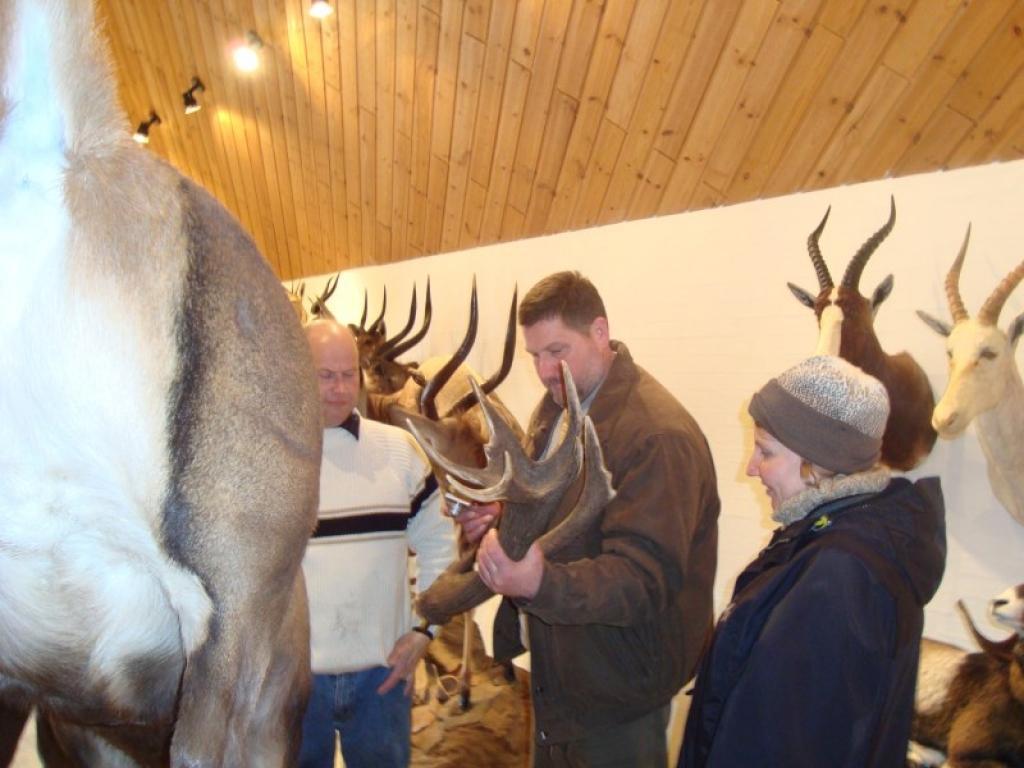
981	356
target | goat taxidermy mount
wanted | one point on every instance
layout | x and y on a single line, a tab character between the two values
159	436
846	321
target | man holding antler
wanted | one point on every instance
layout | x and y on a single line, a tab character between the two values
615	620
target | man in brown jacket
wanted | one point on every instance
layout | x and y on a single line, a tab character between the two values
615	622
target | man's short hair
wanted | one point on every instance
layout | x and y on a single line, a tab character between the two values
568	296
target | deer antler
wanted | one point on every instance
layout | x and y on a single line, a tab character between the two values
989	312
851	278
820	268
956	304
532	492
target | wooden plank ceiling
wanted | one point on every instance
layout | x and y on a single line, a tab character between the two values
399	128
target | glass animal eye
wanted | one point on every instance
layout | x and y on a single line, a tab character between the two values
988	354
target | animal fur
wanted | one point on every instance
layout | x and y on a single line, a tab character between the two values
971	705
159	428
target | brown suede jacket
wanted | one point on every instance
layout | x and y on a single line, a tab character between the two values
622	612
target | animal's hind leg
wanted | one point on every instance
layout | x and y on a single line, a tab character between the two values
12	723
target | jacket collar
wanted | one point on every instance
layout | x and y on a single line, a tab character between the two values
838	486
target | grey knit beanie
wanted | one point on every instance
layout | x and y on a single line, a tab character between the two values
827	411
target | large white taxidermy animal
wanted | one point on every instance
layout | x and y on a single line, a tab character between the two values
159	436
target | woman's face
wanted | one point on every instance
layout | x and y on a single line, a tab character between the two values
777	466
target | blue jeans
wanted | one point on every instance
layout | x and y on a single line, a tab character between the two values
374	729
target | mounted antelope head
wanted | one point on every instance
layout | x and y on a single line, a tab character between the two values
984	383
381	369
846	328
441	393
159	436
532	492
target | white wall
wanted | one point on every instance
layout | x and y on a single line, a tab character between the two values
701	300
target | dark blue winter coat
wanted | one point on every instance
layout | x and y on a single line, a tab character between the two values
814	662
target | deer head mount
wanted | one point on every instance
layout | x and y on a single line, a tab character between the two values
531	491
846	328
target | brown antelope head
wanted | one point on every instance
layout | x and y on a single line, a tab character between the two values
384	374
318	308
981	357
845	317
532	492
440	394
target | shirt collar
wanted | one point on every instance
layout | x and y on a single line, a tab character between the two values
351	424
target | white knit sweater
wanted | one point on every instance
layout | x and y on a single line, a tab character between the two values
375	506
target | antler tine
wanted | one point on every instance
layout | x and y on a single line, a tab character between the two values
427	406
956	304
455	474
820	268
412	341
597	492
378	324
384	348
989	312
851	279
508	354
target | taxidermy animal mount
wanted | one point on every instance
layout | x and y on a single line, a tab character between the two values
532	493
984	383
159	436
846	322
971	705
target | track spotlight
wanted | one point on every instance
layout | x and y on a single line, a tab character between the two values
142	132
246	54
320	9
189	96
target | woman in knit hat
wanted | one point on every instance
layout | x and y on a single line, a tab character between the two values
815	659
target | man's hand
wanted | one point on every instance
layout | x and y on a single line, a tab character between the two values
477	519
404	657
505	576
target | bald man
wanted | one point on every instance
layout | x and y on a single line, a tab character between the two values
378	500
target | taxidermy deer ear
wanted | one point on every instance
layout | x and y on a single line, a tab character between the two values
881	293
941	328
801	295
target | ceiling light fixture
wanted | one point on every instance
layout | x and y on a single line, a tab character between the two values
142	132
320	9
189	97
246	55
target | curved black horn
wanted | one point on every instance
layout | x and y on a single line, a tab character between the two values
378	324
467	400
382	351
851	278
412	341
366	304
319	305
820	268
427	405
